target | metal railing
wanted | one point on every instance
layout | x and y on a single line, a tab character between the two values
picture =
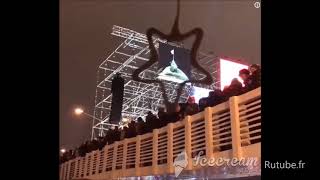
230	130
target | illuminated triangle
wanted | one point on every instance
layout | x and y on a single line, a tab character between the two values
173	73
174	36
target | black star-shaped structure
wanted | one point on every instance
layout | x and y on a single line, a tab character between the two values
174	36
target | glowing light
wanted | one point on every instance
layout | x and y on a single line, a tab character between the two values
228	71
63	150
78	111
125	120
200	93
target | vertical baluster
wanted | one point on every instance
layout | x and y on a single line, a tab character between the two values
91	163
208	132
155	151
85	165
68	170
114	159
61	171
137	163
124	162
235	127
104	161
170	148
75	168
188	147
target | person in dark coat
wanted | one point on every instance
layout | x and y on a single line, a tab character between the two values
234	89
183	107
151	122
140	126
82	150
94	145
162	117
113	134
255	76
116	134
107	138
219	97
174	114
104	140
101	143
123	133
131	131
203	103
251	79
245	76
192	107
215	97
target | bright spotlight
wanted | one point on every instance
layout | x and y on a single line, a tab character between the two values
78	111
125	120
62	150
229	70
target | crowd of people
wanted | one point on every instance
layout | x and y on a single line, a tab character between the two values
251	80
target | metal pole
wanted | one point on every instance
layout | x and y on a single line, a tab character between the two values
100	119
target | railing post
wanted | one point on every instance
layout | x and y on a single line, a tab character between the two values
97	162
187	134
85	165
208	132
114	159
235	127
75	167
61	171
64	171
105	157
91	163
68	170
170	148
155	151
80	167
125	147
137	163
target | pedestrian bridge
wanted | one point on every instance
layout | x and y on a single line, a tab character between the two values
228	132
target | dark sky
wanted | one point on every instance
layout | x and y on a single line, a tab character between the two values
231	28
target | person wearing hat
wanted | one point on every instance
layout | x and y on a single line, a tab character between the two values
251	79
191	107
215	97
255	75
245	76
234	89
254	68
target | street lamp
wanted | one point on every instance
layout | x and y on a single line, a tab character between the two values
63	150
79	111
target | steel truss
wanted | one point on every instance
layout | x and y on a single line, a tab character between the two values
139	98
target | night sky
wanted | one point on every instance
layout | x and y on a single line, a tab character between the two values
231	28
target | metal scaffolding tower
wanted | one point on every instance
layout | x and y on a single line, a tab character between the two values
139	98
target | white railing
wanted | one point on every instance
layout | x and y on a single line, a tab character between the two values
229	130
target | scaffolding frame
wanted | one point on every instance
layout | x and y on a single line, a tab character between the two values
139	98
